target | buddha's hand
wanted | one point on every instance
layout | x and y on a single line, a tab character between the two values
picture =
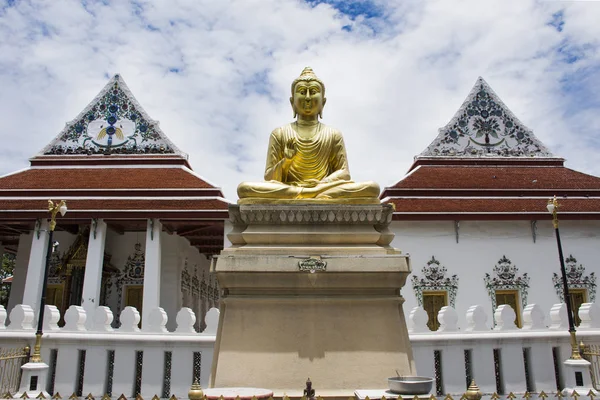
290	150
309	183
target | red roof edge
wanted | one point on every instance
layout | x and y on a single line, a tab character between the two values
513	161
109	159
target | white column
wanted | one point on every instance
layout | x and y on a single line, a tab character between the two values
92	280
20	272
35	269
152	270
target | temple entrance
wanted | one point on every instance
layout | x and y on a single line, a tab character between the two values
67	272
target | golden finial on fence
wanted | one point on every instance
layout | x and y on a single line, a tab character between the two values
494	396
559	395
40	396
195	392
448	397
57	396
89	397
122	397
73	396
173	397
542	395
139	397
511	396
432	397
527	395
575	395
155	397
7	395
105	396
24	395
473	392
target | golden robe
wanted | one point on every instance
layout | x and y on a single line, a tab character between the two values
318	171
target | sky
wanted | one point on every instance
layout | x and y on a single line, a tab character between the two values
217	74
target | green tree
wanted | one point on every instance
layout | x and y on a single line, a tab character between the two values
6	270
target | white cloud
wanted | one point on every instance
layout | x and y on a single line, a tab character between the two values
388	92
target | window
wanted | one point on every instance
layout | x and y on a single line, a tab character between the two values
577	297
134	296
433	303
511	298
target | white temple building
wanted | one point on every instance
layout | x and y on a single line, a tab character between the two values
141	225
472	213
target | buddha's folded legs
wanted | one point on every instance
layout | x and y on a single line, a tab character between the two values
351	190
270	189
329	190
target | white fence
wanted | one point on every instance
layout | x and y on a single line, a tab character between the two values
99	359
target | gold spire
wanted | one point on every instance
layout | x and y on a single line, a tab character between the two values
308	75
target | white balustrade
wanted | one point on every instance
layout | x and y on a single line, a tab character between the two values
523	359
2	318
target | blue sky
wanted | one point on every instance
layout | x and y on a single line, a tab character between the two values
216	74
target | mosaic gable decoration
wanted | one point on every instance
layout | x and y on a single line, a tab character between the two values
113	122
507	278
435	279
484	126
576	279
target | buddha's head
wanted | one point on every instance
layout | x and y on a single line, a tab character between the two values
308	94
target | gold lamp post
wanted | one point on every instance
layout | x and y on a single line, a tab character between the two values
553	209
54	209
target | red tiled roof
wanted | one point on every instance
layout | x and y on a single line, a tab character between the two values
118	204
499	177
103	178
493	191
491	205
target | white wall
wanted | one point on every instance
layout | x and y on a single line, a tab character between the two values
482	243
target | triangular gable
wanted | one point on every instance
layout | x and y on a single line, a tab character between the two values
113	123
484	126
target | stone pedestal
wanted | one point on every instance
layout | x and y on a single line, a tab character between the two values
311	291
578	378
33	380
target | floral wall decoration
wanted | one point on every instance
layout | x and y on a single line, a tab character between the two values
575	279
131	274
55	277
435	279
506	277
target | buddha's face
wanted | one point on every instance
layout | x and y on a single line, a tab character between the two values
307	99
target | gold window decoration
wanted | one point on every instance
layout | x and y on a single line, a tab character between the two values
433	301
511	298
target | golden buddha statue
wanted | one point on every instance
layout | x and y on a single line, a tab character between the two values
306	159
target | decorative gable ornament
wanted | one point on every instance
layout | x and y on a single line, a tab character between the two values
484	126
435	279
113	123
575	279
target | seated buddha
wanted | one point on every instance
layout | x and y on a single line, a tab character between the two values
306	159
